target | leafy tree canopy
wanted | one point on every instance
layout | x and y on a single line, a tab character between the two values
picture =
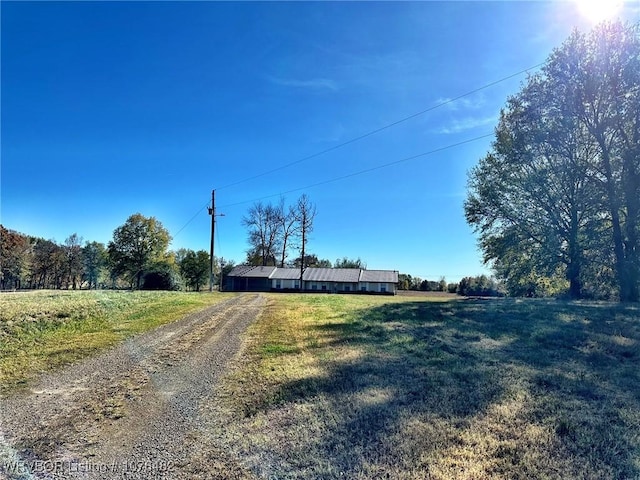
137	244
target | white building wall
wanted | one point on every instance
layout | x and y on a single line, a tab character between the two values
284	284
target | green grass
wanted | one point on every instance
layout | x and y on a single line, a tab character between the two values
43	330
337	386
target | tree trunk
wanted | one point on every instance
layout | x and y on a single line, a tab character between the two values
284	251
575	259
632	224
302	254
613	204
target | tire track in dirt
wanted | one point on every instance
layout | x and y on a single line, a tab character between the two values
132	412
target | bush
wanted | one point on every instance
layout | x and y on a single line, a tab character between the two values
161	277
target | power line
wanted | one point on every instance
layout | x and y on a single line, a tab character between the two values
191	219
356	139
380	129
367	170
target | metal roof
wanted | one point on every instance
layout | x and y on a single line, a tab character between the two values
343	275
239	270
388	276
346	275
250	271
286	274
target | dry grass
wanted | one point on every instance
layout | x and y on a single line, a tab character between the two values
42	330
435	388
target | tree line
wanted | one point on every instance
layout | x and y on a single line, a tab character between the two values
478	286
556	202
137	257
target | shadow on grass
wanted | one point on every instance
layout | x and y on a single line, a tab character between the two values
568	369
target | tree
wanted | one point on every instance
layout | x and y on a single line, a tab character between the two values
225	269
74	261
559	190
607	93
273	229
416	282
263	223
16	253
312	260
481	286
194	268
47	265
94	255
289	229
345	262
305	214
162	275
404	281
135	247
531	197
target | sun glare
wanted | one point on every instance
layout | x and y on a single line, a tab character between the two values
597	11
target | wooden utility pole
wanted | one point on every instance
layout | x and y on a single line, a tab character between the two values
212	212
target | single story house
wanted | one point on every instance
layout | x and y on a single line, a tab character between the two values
246	278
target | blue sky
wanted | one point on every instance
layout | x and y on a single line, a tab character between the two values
114	108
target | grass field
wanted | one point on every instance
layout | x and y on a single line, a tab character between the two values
42	330
337	386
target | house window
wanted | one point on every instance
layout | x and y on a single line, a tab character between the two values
278	285
383	288
347	288
363	288
324	287
314	287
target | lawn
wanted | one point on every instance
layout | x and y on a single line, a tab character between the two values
336	386
43	330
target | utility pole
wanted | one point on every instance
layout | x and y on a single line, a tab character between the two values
212	212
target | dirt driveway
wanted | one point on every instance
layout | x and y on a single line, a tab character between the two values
134	411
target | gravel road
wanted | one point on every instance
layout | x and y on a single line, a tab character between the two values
134	411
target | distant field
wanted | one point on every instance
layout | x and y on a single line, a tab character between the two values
42	330
419	293
337	386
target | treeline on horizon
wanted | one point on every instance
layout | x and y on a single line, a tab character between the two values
138	258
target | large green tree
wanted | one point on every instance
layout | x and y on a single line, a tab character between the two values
559	192
73	260
606	97
94	255
137	245
194	268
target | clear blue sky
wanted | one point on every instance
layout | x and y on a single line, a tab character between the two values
114	108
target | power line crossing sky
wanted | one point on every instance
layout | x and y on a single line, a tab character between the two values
113	108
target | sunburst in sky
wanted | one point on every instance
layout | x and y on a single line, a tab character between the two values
597	11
